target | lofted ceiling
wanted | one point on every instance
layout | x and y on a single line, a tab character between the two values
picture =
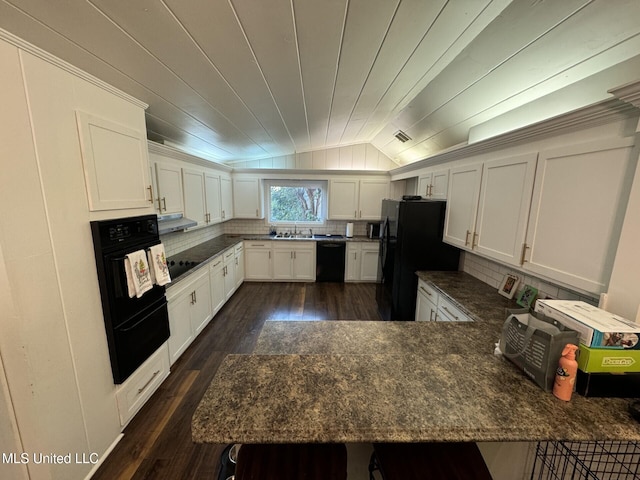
249	79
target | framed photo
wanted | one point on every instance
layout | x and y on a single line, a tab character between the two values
527	296
509	285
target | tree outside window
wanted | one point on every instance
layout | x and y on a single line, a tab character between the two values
295	203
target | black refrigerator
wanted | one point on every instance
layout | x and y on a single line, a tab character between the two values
411	241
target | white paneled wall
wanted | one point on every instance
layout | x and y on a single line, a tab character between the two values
492	273
363	156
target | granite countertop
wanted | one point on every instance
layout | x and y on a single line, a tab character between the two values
353	381
204	252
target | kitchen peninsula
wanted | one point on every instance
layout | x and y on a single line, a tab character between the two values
395	382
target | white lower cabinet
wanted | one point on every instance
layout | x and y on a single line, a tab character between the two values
280	260
139	387
216	278
431	306
229	268
239	264
257	261
426	303
189	311
361	264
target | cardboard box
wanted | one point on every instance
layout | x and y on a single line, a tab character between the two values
608	360
623	385
597	328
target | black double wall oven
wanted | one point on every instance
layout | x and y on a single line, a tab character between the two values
135	327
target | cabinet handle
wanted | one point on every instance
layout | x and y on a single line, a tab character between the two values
159	205
193	297
164	203
257	212
291	255
360	214
223	214
474	243
144	387
294	255
269	254
425	291
216	264
466	239
150	188
236	261
431	314
447	310
522	254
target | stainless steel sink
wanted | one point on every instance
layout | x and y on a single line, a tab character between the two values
289	236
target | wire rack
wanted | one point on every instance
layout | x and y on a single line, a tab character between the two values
587	461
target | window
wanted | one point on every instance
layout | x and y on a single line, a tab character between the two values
296	201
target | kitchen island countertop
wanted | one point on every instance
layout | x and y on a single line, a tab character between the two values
395	382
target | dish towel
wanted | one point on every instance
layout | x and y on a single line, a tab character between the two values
138	274
158	265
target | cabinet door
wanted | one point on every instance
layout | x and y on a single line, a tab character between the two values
200	303
218	296
257	264
212	198
180	325
372	192
247	199
169	198
424	185
194	208
229	274
425	309
304	262
343	199
579	198
226	198
282	263
352	263
116	164
503	211
462	205
369	262
239	266
439	185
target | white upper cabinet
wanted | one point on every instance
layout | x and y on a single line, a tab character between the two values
213	198
488	206
116	164
577	210
351	199
505	198
434	185
462	205
226	197
247	198
194	196
168	192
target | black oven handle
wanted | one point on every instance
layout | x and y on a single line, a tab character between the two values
124	330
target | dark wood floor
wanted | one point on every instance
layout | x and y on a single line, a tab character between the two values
157	443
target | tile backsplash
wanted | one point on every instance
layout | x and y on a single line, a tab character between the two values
492	273
176	242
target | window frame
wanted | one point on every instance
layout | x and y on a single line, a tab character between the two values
323	185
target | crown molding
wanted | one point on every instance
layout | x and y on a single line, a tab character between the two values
604	112
177	154
629	93
53	60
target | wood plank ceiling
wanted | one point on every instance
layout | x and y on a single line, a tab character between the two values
246	79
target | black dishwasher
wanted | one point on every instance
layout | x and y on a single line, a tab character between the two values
330	261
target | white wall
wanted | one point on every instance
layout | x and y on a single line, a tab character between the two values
363	156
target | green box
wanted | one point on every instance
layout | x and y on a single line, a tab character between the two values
608	360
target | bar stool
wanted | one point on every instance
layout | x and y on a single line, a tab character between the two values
292	462
428	461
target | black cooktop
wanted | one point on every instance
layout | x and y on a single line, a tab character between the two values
179	267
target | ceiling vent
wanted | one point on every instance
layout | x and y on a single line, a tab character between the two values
403	137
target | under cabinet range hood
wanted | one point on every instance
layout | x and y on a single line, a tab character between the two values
173	223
